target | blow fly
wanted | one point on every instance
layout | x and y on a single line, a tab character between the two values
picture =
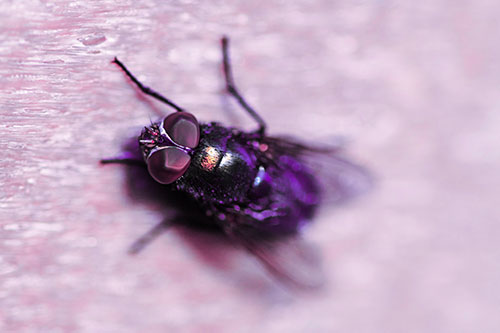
260	190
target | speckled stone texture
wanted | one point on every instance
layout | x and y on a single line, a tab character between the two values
413	86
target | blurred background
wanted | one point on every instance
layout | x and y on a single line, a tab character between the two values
413	88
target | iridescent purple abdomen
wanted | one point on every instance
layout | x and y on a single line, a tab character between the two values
284	196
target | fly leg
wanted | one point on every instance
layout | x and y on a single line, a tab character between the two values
126	161
146	90
148	237
125	158
231	87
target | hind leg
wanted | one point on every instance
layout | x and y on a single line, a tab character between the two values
231	87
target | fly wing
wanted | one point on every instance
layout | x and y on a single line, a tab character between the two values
286	255
339	178
287	258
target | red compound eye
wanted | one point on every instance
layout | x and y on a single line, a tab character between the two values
168	164
183	129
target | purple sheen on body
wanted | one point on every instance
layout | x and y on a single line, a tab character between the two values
291	194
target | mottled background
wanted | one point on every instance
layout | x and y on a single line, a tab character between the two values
413	86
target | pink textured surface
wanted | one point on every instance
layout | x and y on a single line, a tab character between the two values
413	85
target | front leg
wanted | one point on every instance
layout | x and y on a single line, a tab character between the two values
125	158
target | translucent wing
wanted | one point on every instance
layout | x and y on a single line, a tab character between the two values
285	255
339	178
288	258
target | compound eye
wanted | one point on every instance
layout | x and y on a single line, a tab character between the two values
183	128
168	164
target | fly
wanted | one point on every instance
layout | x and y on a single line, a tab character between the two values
258	189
